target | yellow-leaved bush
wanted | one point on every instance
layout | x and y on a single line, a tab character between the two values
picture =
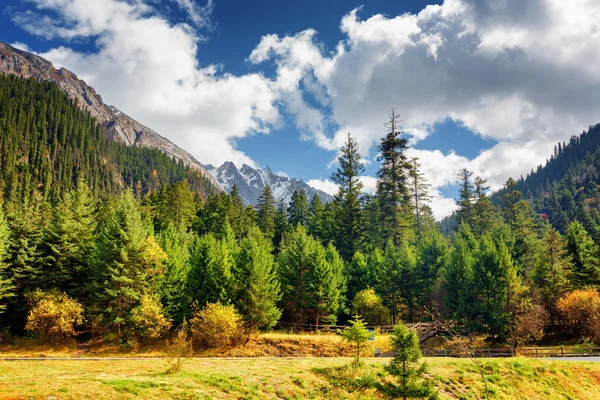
53	315
216	325
149	320
580	311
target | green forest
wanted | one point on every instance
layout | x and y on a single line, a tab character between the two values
135	244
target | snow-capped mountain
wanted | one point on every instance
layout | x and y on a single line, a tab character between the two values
251	183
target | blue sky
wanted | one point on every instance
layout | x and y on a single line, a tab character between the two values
480	84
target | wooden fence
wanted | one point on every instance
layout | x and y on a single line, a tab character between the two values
535	352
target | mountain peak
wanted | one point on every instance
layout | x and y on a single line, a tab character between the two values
251	182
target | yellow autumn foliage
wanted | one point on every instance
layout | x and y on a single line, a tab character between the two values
216	325
53	315
149	319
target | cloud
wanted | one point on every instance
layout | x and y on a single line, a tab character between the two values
147	66
526	74
200	15
325	185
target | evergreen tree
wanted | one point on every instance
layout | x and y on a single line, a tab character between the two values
419	192
392	189
482	208
281	224
584	255
298	208
210	275
409	380
172	283
347	177
315	217
310	283
266	213
125	258
6	286
466	193
551	275
257	289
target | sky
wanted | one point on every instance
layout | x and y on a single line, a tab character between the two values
488	85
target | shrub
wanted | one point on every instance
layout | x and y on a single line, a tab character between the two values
53	315
369	305
149	320
580	312
531	323
216	325
179	349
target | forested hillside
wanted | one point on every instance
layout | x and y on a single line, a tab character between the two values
566	188
47	143
112	240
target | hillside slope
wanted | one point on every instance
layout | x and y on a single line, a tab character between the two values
116	125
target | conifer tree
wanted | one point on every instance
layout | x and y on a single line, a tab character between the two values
551	274
210	275
347	177
171	285
315	217
392	189
466	193
420	197
482	208
257	289
281	224
298	208
6	286
126	257
266	212
584	254
310	283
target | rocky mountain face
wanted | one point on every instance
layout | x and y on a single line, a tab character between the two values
117	125
251	183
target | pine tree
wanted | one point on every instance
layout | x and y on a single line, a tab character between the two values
584	254
466	192
298	208
171	285
409	381
281	224
126	258
551	274
482	208
6	286
266	213
310	283
392	189
420	197
315	217
257	288
347	177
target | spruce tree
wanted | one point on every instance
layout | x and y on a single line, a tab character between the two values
347	177
584	254
466	193
392	188
266	212
6	286
315	217
256	288
298	208
420	197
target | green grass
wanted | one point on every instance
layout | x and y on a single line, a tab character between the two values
276	378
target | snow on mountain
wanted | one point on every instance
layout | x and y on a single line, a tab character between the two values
251	183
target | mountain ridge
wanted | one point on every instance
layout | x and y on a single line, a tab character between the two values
116	125
252	181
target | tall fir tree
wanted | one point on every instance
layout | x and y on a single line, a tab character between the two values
256	286
420	197
466	193
392	188
584	254
266	212
298	209
347	177
6	286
